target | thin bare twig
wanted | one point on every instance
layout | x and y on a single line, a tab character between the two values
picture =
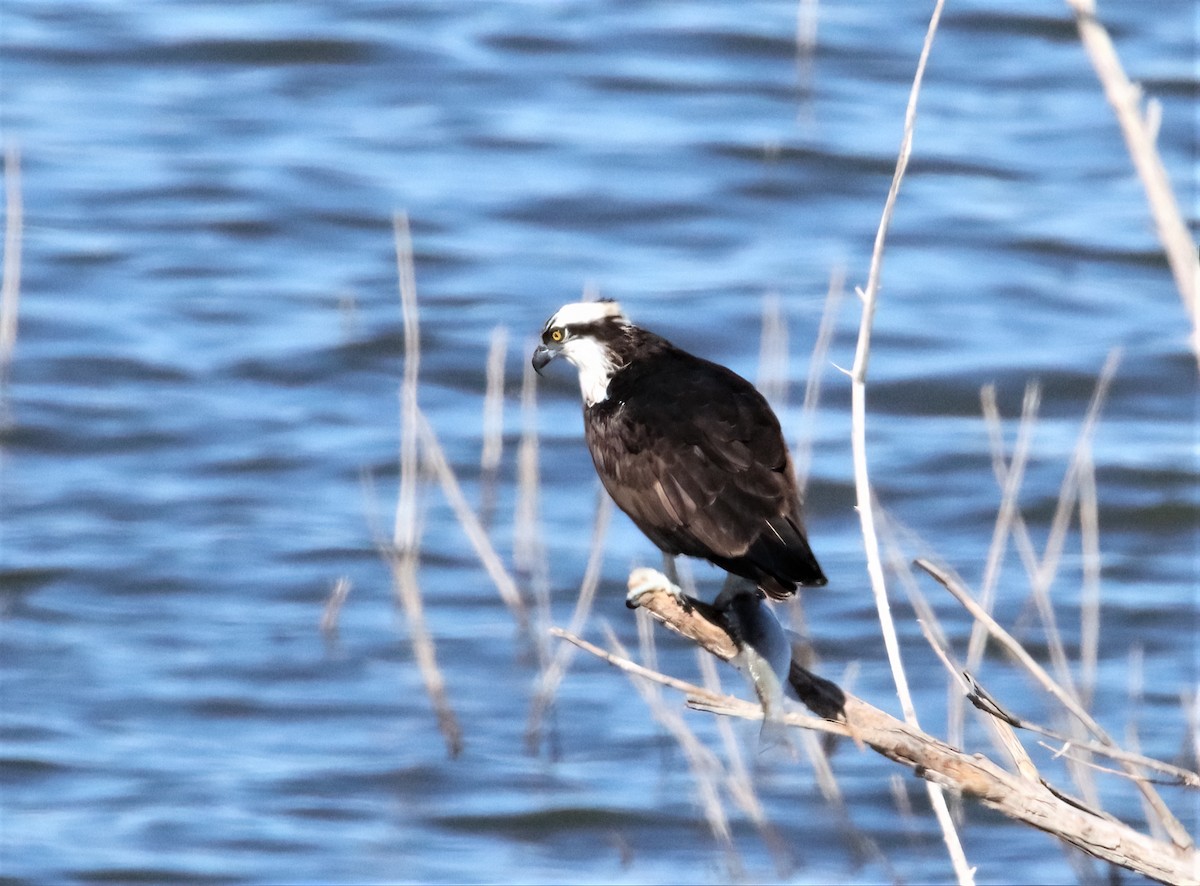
962	870
408	592
858	377
1174	776
1065	751
697	696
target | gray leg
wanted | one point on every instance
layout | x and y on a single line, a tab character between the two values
670	571
764	650
735	586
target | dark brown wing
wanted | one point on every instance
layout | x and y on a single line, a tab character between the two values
695	456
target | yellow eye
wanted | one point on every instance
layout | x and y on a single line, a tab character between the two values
556	334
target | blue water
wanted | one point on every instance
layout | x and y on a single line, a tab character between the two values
199	429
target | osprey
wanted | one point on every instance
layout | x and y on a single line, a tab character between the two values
687	448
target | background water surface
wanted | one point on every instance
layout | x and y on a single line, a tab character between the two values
200	425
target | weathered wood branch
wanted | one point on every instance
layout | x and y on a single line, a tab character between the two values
1031	801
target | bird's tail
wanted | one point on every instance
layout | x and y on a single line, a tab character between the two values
785	560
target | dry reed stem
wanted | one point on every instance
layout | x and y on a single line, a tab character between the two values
404	532
987	704
506	586
1136	692
1089	591
1060	524
529	554
1043	576
403	557
1139	133
1009	476
1042	571
773	353
898	562
1002	730
553	673
414	428
1176	830
927	620
973	774
10	290
702	762
1042	580
1019	532
814	750
1013	473
802	452
962	870
816	373
806	42
333	607
529	549
492	449
739	783
1189	700
408	592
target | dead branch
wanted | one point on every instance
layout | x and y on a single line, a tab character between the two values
1030	801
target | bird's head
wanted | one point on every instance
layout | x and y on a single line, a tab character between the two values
589	335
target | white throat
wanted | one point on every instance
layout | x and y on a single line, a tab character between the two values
595	367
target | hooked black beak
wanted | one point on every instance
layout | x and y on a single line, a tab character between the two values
541	357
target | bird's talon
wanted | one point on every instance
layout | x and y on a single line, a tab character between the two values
648	581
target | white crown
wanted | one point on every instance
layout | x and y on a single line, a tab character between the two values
584	312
